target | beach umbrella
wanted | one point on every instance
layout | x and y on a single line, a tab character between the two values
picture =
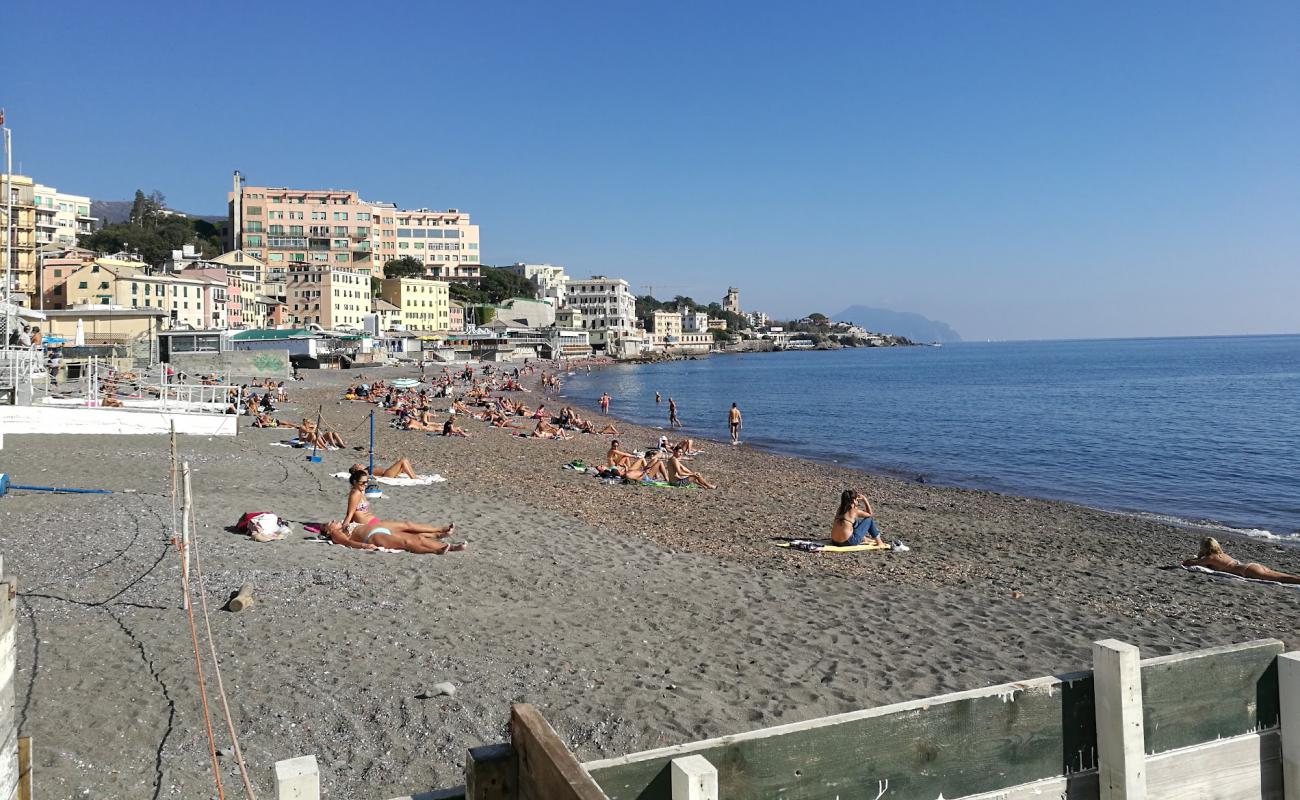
80	339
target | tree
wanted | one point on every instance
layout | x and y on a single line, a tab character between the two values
821	318
404	267
500	284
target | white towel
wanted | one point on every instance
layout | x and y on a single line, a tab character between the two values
419	480
1228	576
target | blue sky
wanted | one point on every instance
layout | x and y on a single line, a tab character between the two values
1018	170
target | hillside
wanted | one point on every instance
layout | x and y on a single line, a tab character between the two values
111	212
899	323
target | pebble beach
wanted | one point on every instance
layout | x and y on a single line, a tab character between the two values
634	617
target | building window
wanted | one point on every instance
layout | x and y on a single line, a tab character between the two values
82	285
253	211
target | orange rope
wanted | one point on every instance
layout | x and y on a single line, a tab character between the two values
203	692
216	665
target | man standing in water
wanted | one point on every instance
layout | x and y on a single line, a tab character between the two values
673	421
733	422
658	400
604	403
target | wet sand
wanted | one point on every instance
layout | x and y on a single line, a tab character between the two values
634	617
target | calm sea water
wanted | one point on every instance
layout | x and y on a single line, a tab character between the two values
1201	430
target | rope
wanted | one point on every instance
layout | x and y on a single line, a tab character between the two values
203	692
216	665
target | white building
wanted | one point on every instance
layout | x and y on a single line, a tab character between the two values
549	279
695	321
608	309
61	217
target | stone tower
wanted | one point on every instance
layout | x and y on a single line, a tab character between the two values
732	301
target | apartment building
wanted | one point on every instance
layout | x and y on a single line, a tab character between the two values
197	302
695	322
549	279
456	317
666	327
289	228
284	227
60	217
608	309
442	239
43	217
423	304
328	297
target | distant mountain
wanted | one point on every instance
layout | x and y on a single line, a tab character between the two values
900	323
112	212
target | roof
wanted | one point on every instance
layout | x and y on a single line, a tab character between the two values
380	304
258	334
103	311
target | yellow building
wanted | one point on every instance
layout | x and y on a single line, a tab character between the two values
197	302
330	298
42	216
423	305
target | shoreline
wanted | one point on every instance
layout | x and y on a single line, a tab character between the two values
574	595
1206	526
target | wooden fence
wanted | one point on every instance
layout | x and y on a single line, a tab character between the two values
1217	723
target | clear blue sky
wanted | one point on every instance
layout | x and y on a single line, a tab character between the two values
1019	170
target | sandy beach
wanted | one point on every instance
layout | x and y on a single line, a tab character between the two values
634	617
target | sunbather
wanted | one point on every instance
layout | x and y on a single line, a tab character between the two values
399	468
375	535
854	521
616	457
1211	556
449	428
680	475
359	511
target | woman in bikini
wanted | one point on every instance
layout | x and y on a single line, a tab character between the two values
359	515
1211	556
855	521
401	468
375	535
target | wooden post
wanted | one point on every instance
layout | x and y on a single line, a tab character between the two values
491	773
297	779
1288	687
1121	754
185	534
547	769
241	599
24	768
694	778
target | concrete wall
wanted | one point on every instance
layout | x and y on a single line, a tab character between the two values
236	363
53	419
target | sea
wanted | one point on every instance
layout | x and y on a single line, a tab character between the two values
1202	431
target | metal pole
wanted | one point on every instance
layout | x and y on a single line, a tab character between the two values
372	442
9	214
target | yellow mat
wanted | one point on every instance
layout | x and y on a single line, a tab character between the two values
834	548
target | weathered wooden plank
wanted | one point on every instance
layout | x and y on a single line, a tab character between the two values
952	745
9	767
547	770
24	768
1117	684
1241	768
1288	685
1198	697
491	773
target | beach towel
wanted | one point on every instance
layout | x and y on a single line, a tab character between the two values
1227	576
297	443
824	546
419	480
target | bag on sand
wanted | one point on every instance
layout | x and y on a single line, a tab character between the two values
262	526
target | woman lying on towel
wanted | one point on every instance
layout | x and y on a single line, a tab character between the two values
374	535
359	513
401	468
855	521
1211	556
